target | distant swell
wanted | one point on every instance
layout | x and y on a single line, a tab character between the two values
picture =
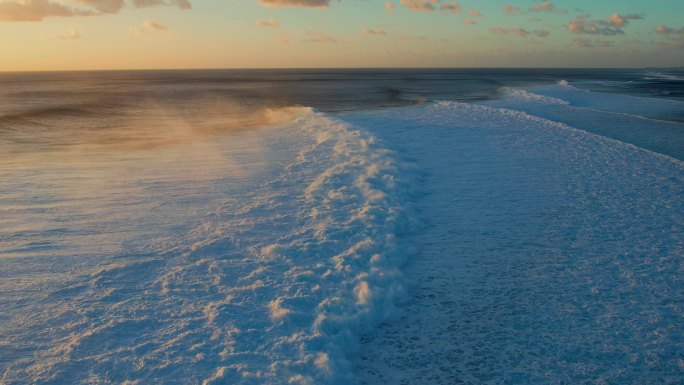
652	124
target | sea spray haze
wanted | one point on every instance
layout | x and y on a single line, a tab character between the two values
257	227
150	238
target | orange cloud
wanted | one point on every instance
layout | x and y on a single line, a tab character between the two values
103	6
611	26
373	32
519	32
511	10
420	5
547	6
475	12
586	43
452	7
37	10
317	37
182	4
663	30
295	3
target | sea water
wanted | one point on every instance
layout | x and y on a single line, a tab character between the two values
329	227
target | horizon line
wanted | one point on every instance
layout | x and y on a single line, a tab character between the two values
326	68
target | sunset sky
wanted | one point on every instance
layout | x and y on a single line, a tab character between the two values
128	34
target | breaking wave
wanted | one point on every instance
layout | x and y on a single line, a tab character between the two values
529	97
653	124
274	286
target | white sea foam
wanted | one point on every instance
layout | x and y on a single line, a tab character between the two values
613	102
644	122
274	285
550	254
665	76
530	97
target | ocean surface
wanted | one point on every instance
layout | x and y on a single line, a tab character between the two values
474	226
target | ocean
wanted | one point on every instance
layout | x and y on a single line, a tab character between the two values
427	226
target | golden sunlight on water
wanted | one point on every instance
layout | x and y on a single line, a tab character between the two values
76	183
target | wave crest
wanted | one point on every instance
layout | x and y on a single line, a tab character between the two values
519	95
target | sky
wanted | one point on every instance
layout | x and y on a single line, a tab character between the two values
47	35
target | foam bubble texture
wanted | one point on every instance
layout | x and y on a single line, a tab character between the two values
273	287
550	255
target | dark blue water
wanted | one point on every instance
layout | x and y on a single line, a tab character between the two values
329	90
100	106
